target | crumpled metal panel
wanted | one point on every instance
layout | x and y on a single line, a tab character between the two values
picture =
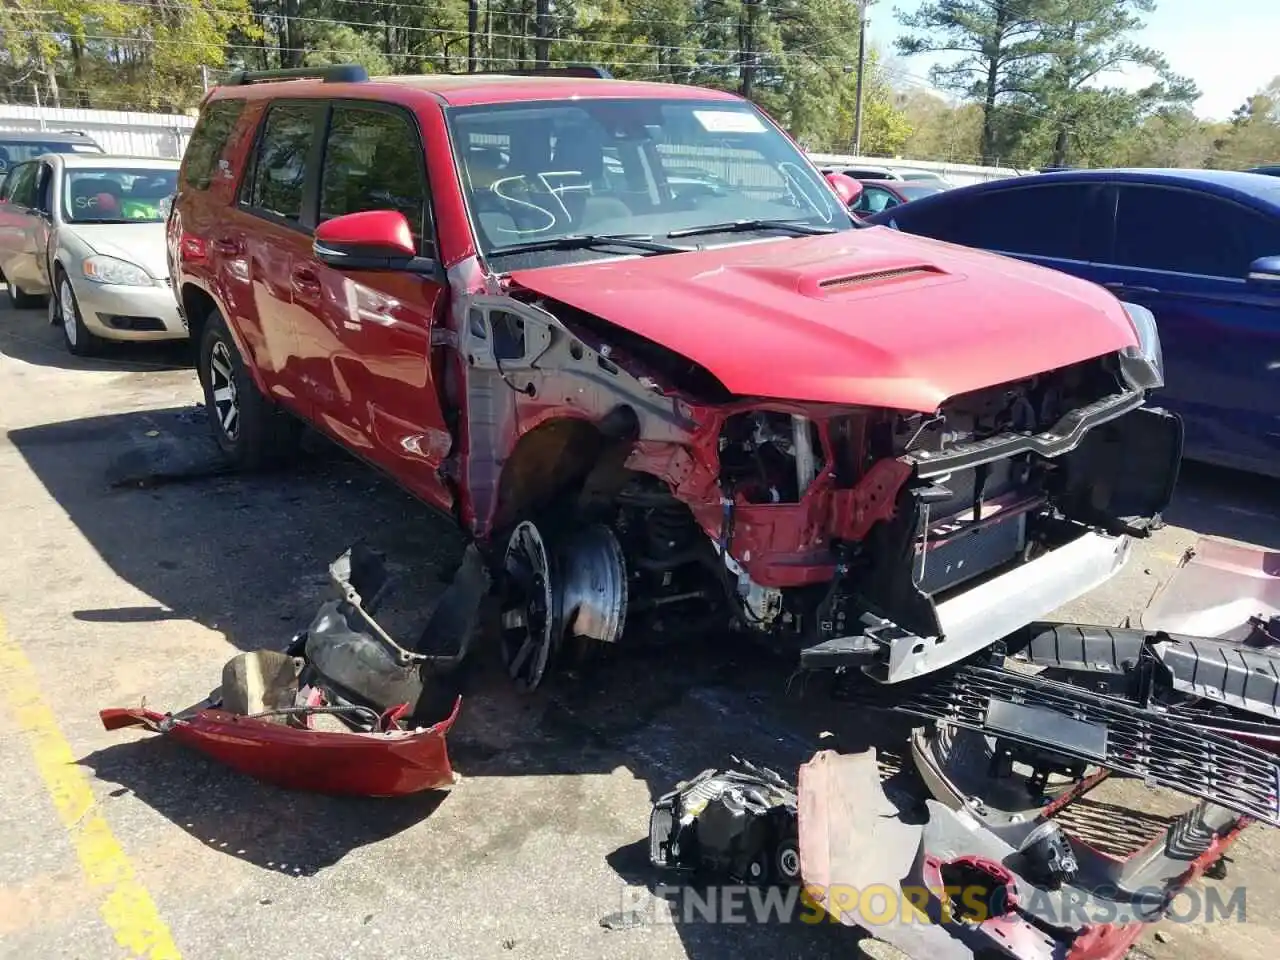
1216	590
852	838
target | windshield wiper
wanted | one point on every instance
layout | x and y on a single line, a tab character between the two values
737	226
585	241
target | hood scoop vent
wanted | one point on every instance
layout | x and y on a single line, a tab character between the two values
853	281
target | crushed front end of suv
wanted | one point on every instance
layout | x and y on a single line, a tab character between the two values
663	409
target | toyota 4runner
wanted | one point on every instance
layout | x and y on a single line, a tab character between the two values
631	339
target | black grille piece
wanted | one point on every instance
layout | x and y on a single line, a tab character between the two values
1122	736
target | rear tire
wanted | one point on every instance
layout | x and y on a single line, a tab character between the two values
252	431
23	301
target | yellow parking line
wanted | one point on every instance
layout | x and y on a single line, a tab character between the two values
126	906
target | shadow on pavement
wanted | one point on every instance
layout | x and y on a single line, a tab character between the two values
248	556
293	833
26	335
1218	502
245	555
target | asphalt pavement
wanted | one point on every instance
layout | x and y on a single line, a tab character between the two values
132	568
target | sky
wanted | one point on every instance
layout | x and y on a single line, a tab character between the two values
1228	47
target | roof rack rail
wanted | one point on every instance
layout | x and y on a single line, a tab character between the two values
338	73
569	70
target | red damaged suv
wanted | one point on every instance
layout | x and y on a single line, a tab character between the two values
633	341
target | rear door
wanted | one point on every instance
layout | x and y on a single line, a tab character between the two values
1185	255
270	242
374	327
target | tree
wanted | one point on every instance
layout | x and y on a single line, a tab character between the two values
116	54
999	44
1253	136
940	130
1085	41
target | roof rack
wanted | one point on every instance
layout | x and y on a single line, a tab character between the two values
570	70
338	73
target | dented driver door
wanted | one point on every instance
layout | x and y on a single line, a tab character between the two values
381	321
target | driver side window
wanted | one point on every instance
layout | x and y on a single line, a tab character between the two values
373	160
20	185
1180	231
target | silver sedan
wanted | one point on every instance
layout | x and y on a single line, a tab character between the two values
87	233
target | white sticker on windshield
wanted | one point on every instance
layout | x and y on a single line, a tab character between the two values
729	121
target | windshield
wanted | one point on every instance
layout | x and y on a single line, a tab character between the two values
644	167
13	152
116	194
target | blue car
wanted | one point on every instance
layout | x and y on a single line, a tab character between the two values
1199	248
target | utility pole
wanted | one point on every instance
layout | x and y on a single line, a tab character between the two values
542	34
473	34
204	77
747	46
862	66
488	34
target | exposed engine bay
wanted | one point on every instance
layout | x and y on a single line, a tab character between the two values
897	541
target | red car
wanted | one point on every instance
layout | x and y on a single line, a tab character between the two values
662	412
880	195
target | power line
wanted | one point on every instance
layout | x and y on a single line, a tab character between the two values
439	31
159	41
395	4
682	70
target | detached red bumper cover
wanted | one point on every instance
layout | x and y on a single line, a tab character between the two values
385	764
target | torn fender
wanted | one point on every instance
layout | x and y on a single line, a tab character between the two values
392	763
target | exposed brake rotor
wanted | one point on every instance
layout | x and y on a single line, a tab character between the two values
530	621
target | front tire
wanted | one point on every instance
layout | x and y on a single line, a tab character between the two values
78	338
252	432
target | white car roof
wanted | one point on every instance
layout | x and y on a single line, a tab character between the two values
89	161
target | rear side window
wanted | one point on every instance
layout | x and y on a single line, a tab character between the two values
209	141
283	160
1180	231
373	160
1042	221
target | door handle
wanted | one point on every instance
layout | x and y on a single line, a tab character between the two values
1129	288
228	246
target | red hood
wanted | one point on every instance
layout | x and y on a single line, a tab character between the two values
870	316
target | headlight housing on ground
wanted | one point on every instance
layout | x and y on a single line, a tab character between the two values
1143	365
102	269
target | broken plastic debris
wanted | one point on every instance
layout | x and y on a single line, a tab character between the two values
277	716
622	920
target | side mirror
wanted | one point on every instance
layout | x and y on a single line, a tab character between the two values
368	240
1265	271
846	188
